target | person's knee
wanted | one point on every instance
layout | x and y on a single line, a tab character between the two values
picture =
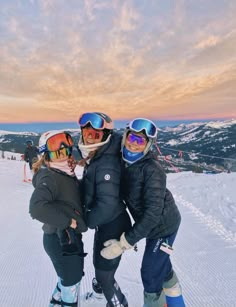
170	283
71	278
173	292
105	277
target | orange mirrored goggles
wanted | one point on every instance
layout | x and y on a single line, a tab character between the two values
61	153
59	141
92	133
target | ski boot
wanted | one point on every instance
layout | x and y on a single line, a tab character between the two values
70	295
56	296
124	303
95	297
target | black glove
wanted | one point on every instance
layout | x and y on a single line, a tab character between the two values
70	242
81	226
74	214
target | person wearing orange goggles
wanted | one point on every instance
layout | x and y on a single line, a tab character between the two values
56	202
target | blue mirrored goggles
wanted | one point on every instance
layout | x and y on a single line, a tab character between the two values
96	121
147	125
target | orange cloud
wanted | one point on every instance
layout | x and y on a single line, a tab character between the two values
122	58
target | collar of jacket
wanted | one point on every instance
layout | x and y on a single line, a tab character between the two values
61	172
113	147
149	155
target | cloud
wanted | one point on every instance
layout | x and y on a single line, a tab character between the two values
208	42
214	52
92	6
48	5
128	18
125	58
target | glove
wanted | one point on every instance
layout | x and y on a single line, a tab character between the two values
70	242
74	214
81	226
114	248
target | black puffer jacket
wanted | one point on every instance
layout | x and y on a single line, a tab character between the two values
101	185
31	153
56	200
149	201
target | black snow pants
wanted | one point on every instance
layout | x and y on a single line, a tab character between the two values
105	269
68	268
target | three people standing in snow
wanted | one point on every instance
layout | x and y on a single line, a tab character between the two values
143	190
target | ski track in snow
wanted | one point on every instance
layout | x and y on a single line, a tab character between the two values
209	220
204	254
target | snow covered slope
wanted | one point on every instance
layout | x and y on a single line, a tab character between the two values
204	253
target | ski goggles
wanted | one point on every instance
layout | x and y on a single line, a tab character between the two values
95	120
147	125
59	140
140	140
63	152
90	132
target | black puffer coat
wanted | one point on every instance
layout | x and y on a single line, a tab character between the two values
101	185
56	200
31	153
149	201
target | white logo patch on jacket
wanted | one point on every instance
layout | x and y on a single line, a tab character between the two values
107	177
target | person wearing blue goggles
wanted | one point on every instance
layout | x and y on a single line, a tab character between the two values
155	213
99	146
143	124
140	135
97	120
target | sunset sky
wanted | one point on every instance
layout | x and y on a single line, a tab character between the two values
162	59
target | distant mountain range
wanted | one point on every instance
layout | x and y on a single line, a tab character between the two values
197	146
209	146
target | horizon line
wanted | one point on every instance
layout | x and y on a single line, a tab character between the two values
116	120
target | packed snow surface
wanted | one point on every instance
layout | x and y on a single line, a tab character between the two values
204	251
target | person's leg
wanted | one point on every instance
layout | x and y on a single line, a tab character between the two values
105	269
68	268
56	295
69	295
173	291
154	299
110	288
153	272
156	268
104	275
